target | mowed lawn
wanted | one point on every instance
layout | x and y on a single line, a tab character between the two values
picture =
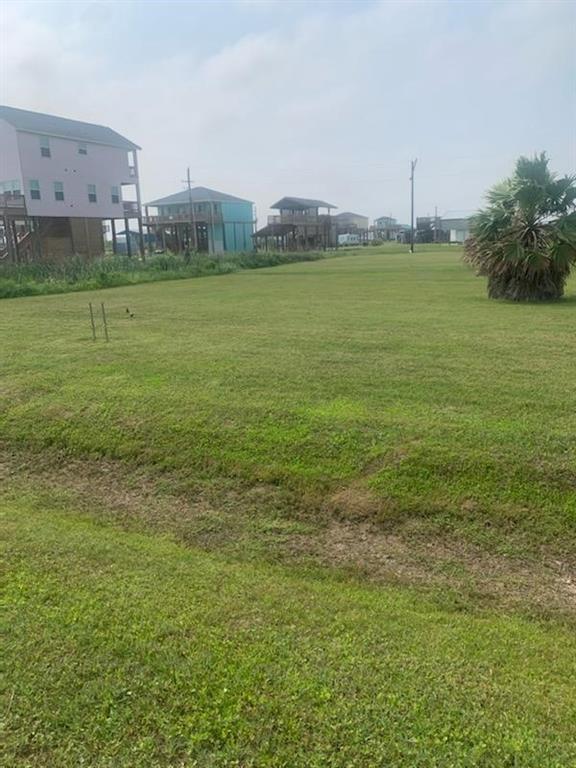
129	651
378	377
377	371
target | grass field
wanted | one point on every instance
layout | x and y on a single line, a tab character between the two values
390	375
255	528
127	650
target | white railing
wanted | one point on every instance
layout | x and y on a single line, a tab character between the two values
12	200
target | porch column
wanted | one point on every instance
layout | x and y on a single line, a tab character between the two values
114	241
12	240
38	237
150	248
139	203
141	236
128	238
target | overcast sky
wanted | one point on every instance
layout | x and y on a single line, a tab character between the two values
314	99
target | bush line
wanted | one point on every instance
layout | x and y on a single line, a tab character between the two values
77	274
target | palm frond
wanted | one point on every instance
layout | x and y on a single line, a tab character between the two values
524	240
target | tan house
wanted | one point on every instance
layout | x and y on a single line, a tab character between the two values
351	223
301	224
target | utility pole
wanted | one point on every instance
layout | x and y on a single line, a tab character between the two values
412	168
212	247
191	212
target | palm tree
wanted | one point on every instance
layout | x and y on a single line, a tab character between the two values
524	241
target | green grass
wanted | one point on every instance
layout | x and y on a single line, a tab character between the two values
378	371
125	650
152	486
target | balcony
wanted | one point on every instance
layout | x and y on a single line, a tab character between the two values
176	218
301	219
12	204
184	218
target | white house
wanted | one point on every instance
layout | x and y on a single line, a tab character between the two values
458	229
59	179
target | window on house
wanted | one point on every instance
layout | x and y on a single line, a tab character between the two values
34	187
45	146
92	193
82	148
58	191
10	186
115	194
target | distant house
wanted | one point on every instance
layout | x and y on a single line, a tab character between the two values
59	180
436	229
457	230
387	228
351	223
385	222
299	226
429	230
202	219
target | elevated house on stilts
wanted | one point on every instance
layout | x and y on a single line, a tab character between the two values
60	181
301	224
201	219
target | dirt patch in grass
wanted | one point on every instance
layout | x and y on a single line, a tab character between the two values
355	503
265	522
448	563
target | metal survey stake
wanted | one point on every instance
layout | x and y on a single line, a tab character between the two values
92	321
104	322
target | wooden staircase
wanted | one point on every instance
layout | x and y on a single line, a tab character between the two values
14	245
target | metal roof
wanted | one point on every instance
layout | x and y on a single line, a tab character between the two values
300	204
456	221
199	195
349	213
50	125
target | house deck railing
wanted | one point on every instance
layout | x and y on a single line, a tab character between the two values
12	204
299	218
183	218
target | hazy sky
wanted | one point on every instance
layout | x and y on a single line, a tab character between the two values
313	99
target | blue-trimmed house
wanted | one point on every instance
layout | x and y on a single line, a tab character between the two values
202	219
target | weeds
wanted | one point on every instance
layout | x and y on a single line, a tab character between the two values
77	274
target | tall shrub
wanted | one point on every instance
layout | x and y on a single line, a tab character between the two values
524	240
